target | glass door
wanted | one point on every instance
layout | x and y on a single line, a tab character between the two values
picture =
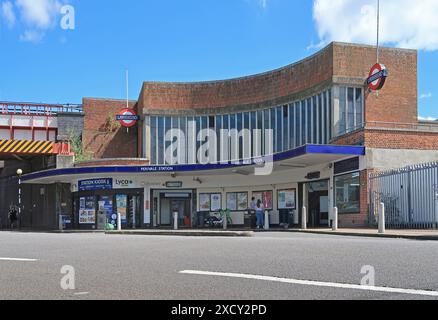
106	218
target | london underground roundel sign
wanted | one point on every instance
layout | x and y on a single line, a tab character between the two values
377	77
127	118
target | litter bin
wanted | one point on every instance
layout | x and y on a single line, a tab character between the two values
201	219
250	220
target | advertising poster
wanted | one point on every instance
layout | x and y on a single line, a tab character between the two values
204	202
87	211
287	199
242	201
122	204
232	201
216	202
266	197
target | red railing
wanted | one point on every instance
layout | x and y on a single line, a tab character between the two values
23	108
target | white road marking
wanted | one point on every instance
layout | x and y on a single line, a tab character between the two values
18	259
314	283
81	293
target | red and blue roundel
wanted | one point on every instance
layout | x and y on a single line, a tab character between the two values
127	118
377	77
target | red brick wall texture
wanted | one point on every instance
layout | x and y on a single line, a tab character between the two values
100	137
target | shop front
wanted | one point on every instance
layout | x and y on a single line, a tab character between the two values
98	202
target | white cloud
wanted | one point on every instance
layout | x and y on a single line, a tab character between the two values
404	23
426	95
40	14
33	36
427	118
7	12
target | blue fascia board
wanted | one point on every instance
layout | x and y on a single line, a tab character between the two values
307	149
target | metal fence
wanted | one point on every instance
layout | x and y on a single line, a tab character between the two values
410	196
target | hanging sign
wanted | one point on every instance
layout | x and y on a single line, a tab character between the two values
127	118
377	77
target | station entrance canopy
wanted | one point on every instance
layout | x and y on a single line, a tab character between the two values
307	156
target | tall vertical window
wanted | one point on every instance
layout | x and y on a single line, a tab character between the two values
239	129
279	129
303	122
330	115
267	125
292	126
297	124
309	121
161	130
260	127
153	140
343	110
285	117
273	126
321	125
359	107
350	110
315	123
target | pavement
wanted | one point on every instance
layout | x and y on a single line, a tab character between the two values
426	235
266	266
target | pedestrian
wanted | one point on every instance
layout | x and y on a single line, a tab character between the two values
253	205
260	215
13	216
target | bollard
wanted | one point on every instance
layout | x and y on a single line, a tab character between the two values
382	227
304	219
175	220
119	222
266	220
335	218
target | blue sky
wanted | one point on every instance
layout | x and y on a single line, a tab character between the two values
191	40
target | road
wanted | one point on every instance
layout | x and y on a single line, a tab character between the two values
269	266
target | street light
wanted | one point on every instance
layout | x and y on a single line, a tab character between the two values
19	174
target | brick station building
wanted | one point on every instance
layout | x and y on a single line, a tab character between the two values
329	132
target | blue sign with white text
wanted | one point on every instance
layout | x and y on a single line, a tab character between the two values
96	184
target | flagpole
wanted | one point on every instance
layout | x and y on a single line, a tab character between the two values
127	89
127	93
378	31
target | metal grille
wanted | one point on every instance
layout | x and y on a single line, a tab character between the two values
410	196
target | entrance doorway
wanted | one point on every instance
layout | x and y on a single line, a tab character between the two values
318	204
171	202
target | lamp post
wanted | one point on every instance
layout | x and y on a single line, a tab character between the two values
19	174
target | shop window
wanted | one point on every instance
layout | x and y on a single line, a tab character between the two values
348	193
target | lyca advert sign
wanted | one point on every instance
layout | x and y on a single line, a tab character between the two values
123	183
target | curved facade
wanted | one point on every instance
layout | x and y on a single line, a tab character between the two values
304	136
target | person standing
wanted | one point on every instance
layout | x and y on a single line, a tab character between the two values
13	216
260	215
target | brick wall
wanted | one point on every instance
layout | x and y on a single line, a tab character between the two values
99	140
397	101
243	91
414	140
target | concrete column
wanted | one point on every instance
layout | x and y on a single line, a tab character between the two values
382	227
